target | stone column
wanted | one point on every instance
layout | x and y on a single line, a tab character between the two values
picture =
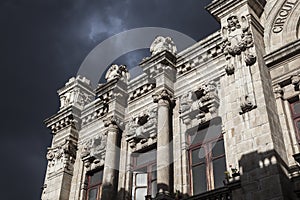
111	161
164	100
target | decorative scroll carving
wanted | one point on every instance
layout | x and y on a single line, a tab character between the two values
202	104
93	150
117	72
61	157
161	44
142	128
238	48
278	91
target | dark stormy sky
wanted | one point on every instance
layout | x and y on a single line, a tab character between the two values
42	44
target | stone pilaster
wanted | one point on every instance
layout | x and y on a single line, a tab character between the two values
111	164
253	131
164	100
65	126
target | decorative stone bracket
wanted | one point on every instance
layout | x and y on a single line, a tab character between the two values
142	128
62	157
201	104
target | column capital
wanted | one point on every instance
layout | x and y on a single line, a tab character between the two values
113	122
163	97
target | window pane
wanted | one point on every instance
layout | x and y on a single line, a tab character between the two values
96	178
218	148
298	126
206	134
219	168
296	108
153	173
93	194
199	179
153	188
146	157
198	156
140	193
141	179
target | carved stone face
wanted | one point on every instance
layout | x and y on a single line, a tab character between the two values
233	23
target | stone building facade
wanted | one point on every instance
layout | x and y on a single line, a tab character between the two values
218	120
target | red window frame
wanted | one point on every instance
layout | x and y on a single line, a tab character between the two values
295	116
147	168
96	185
208	161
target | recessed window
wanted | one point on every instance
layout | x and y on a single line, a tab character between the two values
207	158
295	111
94	185
144	175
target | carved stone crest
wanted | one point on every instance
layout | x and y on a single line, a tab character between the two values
117	72
161	44
238	48
237	43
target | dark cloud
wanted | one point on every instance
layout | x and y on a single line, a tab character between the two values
43	43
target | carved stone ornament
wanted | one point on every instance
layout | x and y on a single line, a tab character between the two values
237	43
246	104
62	157
202	104
295	79
73	94
163	95
93	150
161	44
117	72
238	48
142	128
278	91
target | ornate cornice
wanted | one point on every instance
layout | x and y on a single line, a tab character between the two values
65	118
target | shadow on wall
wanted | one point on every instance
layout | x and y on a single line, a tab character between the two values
263	177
